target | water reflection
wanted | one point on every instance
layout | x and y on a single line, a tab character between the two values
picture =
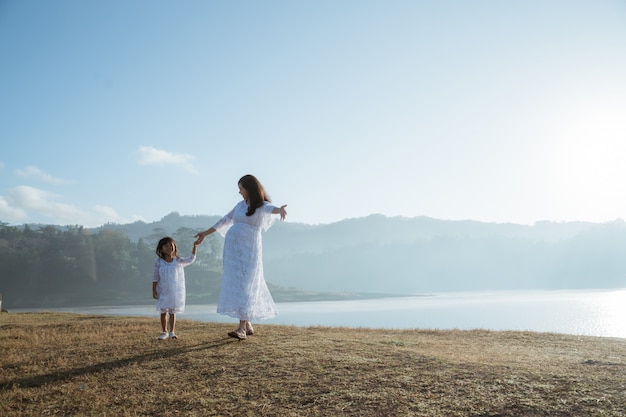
593	313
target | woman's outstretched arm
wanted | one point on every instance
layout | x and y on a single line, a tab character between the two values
280	210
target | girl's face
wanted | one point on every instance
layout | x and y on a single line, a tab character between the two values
243	192
168	248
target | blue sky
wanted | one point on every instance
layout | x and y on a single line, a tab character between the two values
497	111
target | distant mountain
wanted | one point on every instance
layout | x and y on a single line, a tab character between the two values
416	255
168	225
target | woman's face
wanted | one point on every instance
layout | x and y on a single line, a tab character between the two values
243	192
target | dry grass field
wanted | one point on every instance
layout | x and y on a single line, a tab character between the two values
57	364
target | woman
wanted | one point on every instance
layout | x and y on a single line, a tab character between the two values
244	293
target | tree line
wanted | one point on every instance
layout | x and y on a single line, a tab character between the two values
71	266
49	266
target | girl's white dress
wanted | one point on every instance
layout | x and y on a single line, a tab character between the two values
244	294
170	279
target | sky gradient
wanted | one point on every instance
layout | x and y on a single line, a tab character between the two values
493	111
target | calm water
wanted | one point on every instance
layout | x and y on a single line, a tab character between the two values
593	313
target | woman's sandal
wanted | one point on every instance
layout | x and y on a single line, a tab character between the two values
249	329
237	334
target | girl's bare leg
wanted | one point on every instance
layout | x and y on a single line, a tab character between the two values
172	322
164	334
164	322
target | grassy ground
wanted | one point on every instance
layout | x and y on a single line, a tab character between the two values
57	364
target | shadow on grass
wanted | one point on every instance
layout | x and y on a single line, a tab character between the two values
37	381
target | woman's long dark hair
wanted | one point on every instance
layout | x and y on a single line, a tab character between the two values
256	193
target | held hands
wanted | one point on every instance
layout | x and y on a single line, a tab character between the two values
195	244
199	238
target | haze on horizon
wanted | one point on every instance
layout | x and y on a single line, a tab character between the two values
490	111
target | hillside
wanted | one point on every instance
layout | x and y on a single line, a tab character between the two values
54	266
415	255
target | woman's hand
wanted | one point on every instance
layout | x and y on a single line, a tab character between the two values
282	212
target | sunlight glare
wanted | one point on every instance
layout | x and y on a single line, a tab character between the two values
587	160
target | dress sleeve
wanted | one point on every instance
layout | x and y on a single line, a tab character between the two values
155	275
224	223
186	261
267	219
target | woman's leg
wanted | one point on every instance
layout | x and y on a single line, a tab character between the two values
249	328
240	332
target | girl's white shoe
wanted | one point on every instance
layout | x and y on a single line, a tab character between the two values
163	336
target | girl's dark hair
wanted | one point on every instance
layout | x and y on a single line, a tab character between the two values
164	241
256	193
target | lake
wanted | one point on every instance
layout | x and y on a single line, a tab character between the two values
585	312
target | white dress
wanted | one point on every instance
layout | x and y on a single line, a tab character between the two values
244	294
170	279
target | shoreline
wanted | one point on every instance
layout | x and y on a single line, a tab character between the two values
587	313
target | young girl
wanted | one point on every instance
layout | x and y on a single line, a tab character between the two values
244	293
168	284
